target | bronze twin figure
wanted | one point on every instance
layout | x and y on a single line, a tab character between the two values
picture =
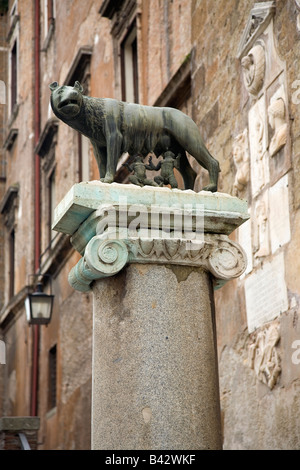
167	165
115	127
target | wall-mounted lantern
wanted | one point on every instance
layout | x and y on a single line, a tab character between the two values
38	306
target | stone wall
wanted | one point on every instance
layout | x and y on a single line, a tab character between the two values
257	315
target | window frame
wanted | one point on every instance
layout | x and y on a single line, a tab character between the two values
129	44
13	65
8	208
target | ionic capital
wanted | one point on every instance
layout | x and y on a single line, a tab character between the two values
104	257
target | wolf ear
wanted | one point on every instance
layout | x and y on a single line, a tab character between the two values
53	85
78	86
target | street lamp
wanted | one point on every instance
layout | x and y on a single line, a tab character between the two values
38	306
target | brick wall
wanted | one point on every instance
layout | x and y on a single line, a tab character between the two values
12	429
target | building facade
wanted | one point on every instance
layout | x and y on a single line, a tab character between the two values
233	66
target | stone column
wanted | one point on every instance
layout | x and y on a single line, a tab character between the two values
155	376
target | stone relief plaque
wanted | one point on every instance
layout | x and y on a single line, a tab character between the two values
279	218
264	77
279	145
261	237
277	120
263	355
258	146
266	293
241	160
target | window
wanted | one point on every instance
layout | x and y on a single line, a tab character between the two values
129	67
49	15
8	208
52	378
13	11
12	40
11	263
13	76
51	204
125	21
80	71
46	150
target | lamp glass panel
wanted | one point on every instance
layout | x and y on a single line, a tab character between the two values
41	306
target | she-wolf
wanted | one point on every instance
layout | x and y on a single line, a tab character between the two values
115	127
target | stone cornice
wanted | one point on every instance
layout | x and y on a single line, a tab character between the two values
13	308
8	198
222	213
46	138
79	64
10	139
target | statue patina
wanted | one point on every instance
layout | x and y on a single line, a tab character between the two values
115	127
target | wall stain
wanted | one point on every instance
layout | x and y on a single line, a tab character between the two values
182	272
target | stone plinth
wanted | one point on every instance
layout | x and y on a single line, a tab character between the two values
155	377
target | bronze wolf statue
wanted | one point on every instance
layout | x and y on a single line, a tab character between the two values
115	127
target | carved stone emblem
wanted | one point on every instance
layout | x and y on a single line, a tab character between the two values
242	162
261	236
258	146
253	65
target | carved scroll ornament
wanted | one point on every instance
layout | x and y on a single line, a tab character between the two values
103	257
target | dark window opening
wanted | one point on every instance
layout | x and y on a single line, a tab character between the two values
11	263
51	204
52	377
14	76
